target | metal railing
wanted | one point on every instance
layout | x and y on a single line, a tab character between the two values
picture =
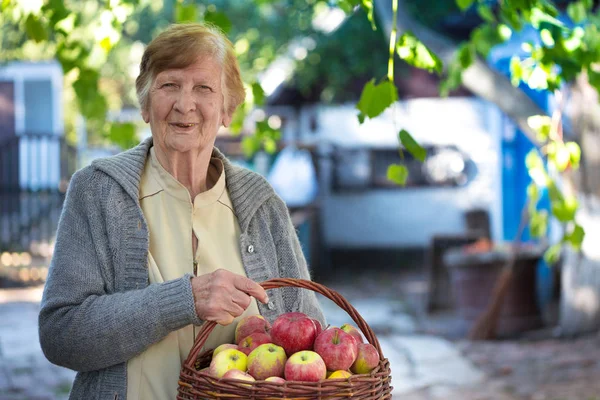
34	174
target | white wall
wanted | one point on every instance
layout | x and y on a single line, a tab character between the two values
409	217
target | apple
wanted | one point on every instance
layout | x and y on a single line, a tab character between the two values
353	331
252	341
339	374
222	347
294	331
275	379
237	374
366	360
318	326
337	348
251	324
266	360
226	360
305	366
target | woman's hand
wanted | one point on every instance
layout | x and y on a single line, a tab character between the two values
222	295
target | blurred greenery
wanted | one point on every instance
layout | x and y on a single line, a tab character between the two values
99	44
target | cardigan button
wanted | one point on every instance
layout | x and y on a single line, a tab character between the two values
250	249
271	305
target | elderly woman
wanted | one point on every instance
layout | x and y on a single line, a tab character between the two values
158	239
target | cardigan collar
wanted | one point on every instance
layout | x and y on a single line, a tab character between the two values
247	189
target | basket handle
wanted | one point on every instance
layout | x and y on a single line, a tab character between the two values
275	283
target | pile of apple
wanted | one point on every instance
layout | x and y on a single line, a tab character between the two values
294	348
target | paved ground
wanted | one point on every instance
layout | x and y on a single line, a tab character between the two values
423	366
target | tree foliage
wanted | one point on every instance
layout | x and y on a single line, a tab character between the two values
98	43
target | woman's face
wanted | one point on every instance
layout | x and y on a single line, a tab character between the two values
186	106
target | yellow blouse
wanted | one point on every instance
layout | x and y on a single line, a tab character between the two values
172	219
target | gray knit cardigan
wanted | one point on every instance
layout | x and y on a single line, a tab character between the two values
99	310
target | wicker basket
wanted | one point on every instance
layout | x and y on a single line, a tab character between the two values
194	385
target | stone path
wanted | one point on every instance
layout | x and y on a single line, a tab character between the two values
424	367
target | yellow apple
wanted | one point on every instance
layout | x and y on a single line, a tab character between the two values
224	346
339	374
226	360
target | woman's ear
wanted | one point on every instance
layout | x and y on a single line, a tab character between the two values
227	117
145	116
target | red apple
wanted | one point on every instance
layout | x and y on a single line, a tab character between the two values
337	348
318	326
353	331
251	324
275	379
305	366
266	360
237	374
252	341
294	331
366	360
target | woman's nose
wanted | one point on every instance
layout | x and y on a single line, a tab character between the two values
185	102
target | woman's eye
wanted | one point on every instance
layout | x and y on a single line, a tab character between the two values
168	85
204	87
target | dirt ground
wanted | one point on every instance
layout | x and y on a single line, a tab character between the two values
545	367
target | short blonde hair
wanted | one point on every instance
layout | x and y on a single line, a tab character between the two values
179	46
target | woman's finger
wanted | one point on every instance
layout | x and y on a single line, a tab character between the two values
241	299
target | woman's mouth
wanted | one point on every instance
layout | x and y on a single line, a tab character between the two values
183	125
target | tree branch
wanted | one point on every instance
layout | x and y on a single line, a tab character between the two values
480	78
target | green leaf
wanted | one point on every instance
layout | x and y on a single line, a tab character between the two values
485	12
552	255
542	125
186	12
123	134
574	154
219	19
486	36
464	4
348	6
575	236
5	4
577	11
374	99
516	71
538	224
465	55
562	157
412	146
397	173
258	94
35	29
564	209
415	53
533	194
539	17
